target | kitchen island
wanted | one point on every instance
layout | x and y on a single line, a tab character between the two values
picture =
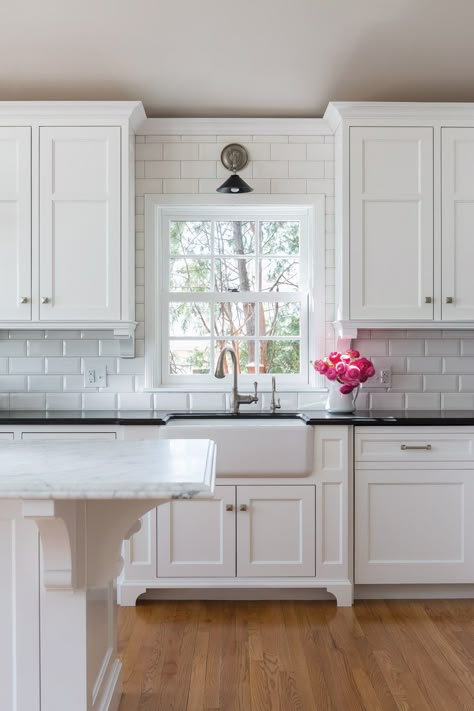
57	589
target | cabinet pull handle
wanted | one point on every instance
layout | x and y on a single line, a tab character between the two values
243	507
428	300
23	299
229	507
449	300
415	446
45	300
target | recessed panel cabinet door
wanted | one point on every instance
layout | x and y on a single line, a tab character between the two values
197	538
414	526
391	223
276	531
458	223
15	224
80	223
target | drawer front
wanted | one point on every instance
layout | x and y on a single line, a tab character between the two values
68	435
6	436
414	446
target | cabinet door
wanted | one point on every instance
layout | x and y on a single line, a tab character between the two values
15	224
275	531
197	538
457	223
391	223
414	526
80	223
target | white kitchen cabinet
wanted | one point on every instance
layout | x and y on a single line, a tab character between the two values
457	223
15	223
199	541
257	533
67	186
80	223
413	521
404	215
391	222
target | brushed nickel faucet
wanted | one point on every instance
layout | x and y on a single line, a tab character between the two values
237	398
275	403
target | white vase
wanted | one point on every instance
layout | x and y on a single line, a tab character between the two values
340	403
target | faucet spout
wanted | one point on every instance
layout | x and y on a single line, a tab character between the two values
237	398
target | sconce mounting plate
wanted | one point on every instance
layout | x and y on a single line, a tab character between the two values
234	157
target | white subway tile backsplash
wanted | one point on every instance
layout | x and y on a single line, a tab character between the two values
12	348
306	169
120	383
180	151
288	151
180	185
466	383
442	347
289	401
406	383
423	364
12	383
312	400
270	169
162	169
130	366
26	365
387	401
198	169
406	347
457	401
81	348
63	401
149	151
4	401
27	401
135	401
295	186
458	365
422	401
440	383
171	401
3	366
62	366
320	151
45	383
306	139
369	348
207	401
45	348
99	401
467	348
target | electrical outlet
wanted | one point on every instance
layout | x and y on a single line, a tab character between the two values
381	379
95	373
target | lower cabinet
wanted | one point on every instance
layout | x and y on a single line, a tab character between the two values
248	531
413	507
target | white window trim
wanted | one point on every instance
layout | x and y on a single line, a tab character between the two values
157	205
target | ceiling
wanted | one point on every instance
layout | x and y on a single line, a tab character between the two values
258	58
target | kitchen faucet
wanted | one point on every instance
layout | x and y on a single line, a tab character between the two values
237	398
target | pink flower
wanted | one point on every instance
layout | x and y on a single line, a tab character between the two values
341	368
353	353
345	358
346	389
335	357
320	366
353	372
370	371
331	374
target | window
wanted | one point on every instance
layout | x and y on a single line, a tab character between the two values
236	276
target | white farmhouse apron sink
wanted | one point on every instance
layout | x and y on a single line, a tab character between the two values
252	447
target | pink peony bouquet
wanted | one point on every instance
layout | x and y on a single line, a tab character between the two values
347	368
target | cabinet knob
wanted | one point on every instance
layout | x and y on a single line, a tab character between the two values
45	300
243	507
428	299
229	507
449	300
23	299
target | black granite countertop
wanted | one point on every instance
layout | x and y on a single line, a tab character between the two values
161	417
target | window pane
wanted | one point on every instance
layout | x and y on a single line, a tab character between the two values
245	352
234	275
190	274
280	319
190	319
234	319
280	237
280	274
235	238
190	237
189	357
280	357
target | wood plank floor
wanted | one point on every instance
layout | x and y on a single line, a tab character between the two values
298	656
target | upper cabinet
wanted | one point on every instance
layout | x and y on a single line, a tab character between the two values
67	215
404	215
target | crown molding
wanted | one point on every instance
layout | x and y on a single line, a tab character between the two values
131	111
235	127
338	111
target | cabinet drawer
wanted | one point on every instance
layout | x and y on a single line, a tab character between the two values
6	436
68	435
420	445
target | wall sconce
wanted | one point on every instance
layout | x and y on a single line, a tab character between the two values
234	157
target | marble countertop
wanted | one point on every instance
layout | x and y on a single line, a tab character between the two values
107	470
161	417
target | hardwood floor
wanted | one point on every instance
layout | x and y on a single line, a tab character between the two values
298	656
